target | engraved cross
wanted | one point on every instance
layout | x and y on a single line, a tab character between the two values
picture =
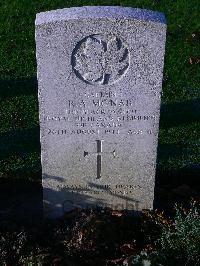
99	154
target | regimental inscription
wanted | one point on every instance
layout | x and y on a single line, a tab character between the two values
100	59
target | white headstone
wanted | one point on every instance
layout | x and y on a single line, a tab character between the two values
100	80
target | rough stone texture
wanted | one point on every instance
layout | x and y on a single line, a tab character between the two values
100	79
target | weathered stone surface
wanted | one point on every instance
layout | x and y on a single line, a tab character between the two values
100	78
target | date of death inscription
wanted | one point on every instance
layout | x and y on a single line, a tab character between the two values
60	132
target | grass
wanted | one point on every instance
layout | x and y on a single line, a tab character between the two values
19	129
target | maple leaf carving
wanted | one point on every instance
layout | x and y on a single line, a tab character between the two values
101	62
116	58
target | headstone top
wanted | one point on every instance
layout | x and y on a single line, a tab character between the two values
92	12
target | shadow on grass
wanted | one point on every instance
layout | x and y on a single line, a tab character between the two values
176	114
20	200
19	142
17	87
177	184
19	148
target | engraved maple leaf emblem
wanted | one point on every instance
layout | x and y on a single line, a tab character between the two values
98	61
